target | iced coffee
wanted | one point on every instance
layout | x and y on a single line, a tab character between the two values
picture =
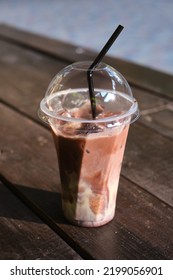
90	152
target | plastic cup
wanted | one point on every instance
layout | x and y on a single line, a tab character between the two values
90	152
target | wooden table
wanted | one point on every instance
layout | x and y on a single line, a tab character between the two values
31	222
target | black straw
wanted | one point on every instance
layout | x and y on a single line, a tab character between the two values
94	65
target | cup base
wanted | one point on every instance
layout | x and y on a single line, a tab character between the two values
90	223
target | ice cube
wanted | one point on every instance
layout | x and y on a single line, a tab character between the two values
74	100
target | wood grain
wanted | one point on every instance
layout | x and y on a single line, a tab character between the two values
161	120
148	161
23	236
24	77
32	169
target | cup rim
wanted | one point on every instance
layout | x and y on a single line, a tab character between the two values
84	66
130	116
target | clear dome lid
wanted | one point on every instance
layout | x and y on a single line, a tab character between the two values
67	97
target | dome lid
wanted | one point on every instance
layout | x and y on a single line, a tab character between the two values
68	92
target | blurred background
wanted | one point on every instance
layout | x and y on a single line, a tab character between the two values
147	38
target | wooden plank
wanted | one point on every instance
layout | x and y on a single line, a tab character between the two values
30	73
135	233
148	101
24	77
143	77
160	120
148	161
24	236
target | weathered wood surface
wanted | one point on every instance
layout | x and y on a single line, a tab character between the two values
27	86
160	120
29	166
32	169
31	72
24	236
24	77
150	79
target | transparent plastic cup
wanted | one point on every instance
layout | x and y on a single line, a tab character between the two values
90	151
